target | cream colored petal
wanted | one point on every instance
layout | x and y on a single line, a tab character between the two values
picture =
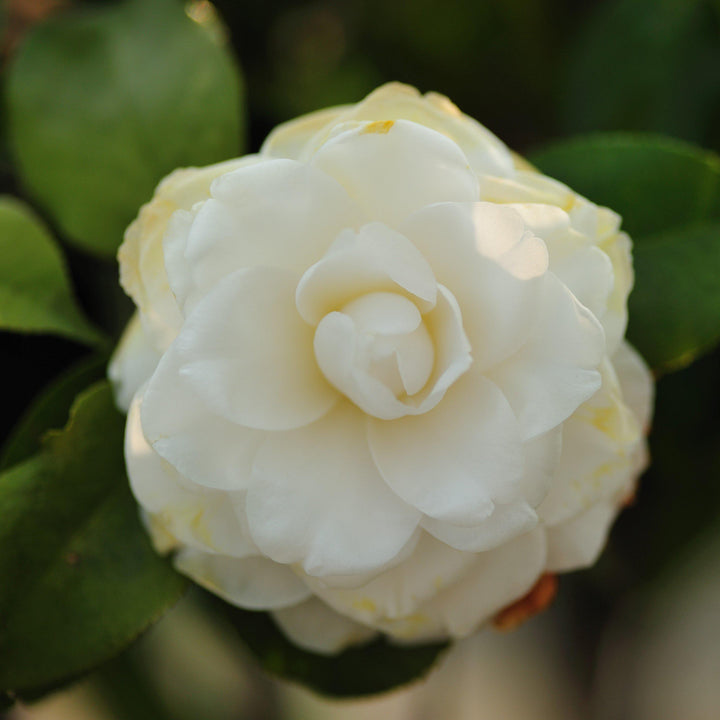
190	515
248	354
289	140
317	499
395	101
636	383
577	542
398	592
314	626
339	350
497	578
142	266
278	213
556	371
502	525
492	265
253	583
133	362
598	459
391	169
206	448
374	259
453	462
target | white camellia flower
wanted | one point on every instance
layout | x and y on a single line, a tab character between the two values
378	379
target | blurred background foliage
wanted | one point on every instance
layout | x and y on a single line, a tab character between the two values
148	85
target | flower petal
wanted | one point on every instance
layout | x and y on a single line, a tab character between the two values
395	101
277	213
400	590
317	499
204	519
504	523
583	267
254	583
204	447
497	578
598	460
248	354
132	363
492	265
374	259
453	462
619	249
396	167
635	382
142	266
337	349
313	625
556	370
576	543
288	140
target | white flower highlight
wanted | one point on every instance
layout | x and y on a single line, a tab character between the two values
378	379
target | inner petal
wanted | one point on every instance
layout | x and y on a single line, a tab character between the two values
387	358
375	259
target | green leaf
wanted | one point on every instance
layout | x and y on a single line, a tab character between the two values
105	101
646	65
35	292
49	410
655	183
367	669
675	307
668	193
79	579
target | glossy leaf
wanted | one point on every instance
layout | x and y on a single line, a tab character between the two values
655	183
362	670
35	292
105	101
49	410
79	579
675	307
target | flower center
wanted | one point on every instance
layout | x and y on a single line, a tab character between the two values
377	351
394	346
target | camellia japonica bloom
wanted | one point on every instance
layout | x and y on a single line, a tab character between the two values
377	380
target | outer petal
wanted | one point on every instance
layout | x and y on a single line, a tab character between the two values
635	382
290	139
132	363
142	267
556	371
194	516
577	543
395	101
398	592
618	248
318	499
585	269
204	447
314	626
506	522
395	168
497	578
598	458
249	355
255	583
492	265
454	461
278	213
